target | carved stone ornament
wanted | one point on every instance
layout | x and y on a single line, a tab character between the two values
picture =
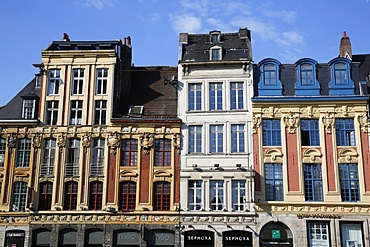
113	142
363	120
291	121
176	140
12	140
328	121
62	141
256	122
86	141
36	141
147	141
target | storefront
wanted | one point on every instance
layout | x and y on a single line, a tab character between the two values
199	238
94	238
41	238
67	238
276	234
126	238
237	238
158	238
14	238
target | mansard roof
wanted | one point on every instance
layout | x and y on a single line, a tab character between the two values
82	45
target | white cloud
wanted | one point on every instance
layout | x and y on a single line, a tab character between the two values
100	4
290	38
270	11
186	23
153	18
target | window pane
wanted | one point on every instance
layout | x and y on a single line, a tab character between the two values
274	182
271	132
195	195
129	152
195	139
236	95
195	97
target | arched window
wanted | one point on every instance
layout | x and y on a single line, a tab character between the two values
45	195
96	195
162	196
269	84
127	196
70	195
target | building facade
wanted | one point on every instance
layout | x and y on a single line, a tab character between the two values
215	87
84	161
311	151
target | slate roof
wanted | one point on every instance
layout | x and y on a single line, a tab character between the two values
235	46
13	109
82	45
148	90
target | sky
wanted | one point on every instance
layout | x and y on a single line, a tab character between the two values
287	30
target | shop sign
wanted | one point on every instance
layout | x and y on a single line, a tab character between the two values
128	238
237	238
43	238
275	234
162	238
201	237
96	237
15	234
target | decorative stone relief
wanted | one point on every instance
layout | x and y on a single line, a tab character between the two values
147	142
348	155
62	141
256	121
36	142
328	121
12	140
291	121
113	142
86	139
364	122
312	155
176	140
270	112
273	156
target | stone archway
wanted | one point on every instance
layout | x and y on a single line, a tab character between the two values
275	234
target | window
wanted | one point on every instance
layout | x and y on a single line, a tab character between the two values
340	72
100	112
96	195
48	159
45	197
127	196
351	234
195	201
101	81
318	234
54	82
236	96
97	158
195	139
162	152
52	112
73	158
195	97
19	196
70	195
129	152
2	151
216	138
215	96
215	37
310	133
162	196
269	74
37	80
306	74
76	112
313	182
216	195
78	81
271	132
238	195
23	152
274	182
345	131
349	183
215	54
237	138
29	106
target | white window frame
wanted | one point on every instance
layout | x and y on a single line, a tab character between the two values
215	53
237	90
28	109
47	166
98	118
23	152
78	81
240	133
19	197
54	82
217	89
97	157
193	90
76	112
193	205
53	111
218	128
102	75
238	192
217	195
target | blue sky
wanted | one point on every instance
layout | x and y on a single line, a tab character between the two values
284	29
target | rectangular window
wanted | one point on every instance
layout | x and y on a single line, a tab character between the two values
269	73
129	152
23	152
162	196
70	195
128	196
310	133
100	112
216	195
274	182
215	54
52	112
162	151
215	96
46	193
2	151
271	132
195	201
318	234
340	73
73	158
236	96
313	182
47	166
78	81
237	138
195	139
19	197
96	195
38	80
351	234
195	97
101	81
215	37
345	130
349	182
306	74
216	139
76	112
54	82
238	195
29	106
97	158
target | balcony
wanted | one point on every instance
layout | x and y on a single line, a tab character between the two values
47	170
97	169
71	169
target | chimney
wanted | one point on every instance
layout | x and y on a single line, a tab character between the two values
345	49
65	37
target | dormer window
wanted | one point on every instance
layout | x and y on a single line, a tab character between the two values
215	53
38	80
306	84
341	83
269	74
340	73
306	74
214	37
269	84
29	108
